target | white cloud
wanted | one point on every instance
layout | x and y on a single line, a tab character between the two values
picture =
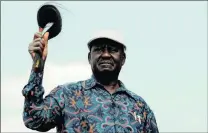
11	94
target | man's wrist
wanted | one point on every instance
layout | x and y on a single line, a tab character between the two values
38	65
36	77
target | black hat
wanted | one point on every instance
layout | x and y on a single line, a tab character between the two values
49	13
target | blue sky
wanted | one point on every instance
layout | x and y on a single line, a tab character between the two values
166	55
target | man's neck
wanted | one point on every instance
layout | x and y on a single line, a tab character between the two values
110	83
111	88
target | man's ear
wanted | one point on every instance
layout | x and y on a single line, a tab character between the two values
89	57
123	59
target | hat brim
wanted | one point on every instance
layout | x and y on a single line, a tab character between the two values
89	44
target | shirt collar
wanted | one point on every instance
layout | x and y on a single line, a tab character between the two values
90	83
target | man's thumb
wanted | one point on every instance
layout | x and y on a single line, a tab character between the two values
45	36
45	51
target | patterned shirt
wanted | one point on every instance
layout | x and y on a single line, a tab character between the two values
85	106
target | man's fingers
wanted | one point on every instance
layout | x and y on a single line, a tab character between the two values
38	44
37	35
36	49
32	54
37	39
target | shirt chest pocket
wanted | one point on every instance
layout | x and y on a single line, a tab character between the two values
136	121
136	117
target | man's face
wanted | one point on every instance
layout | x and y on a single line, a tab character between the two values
106	56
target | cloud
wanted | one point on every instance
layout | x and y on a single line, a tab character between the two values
11	94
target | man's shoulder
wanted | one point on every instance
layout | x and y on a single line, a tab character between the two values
136	97
140	101
76	85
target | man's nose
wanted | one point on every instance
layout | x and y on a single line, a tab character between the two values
106	53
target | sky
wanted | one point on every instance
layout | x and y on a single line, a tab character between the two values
166	55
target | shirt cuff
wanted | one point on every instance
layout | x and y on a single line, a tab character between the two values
34	86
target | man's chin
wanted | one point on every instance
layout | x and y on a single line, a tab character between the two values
106	70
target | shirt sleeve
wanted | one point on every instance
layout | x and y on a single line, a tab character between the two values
41	114
150	123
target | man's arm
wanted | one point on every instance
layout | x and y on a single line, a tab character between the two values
41	114
150	123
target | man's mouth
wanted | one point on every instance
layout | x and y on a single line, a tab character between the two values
105	63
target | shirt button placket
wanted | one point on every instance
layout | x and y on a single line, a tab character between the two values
114	110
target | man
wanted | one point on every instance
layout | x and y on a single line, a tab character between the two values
99	104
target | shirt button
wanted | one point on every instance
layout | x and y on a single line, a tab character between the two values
113	105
